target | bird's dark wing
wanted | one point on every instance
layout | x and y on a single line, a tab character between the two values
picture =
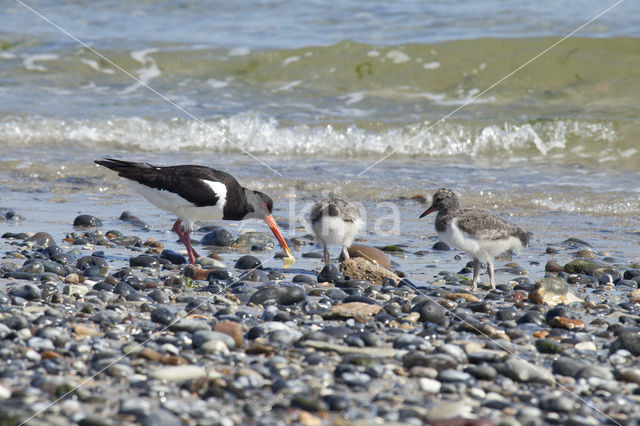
187	181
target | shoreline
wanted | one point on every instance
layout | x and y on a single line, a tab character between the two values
392	354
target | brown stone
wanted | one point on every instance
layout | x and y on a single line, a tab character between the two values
193	272
540	334
371	254
307	419
466	296
173	360
150	354
567	323
553	266
153	243
230	328
215	256
48	354
361	269
358	310
84	330
586	253
634	296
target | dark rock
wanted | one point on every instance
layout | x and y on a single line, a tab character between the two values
218	237
553	266
26	291
337	402
482	372
591	268
161	417
86	262
429	311
312	255
255	275
534	317
441	246
248	262
506	314
32	266
41	239
144	261
87	221
96	271
547	346
132	219
159	296
279	294
173	257
218	275
16	322
330	273
162	315
412	342
627	340
307	279
363	299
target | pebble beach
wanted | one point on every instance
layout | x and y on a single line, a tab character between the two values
526	109
102	327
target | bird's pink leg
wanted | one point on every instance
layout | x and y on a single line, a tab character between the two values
192	253
186	240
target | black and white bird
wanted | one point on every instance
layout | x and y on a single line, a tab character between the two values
478	232
335	221
196	193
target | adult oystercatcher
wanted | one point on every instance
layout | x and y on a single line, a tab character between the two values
197	193
478	232
335	221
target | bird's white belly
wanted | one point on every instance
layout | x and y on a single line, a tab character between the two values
484	250
333	230
177	205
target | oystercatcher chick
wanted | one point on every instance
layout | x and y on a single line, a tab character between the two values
478	232
196	193
335	221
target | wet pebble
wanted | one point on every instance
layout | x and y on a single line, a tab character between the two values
429	311
26	291
144	261
41	239
280	294
330	273
248	262
217	237
87	221
173	257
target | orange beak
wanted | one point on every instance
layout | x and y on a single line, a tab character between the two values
274	228
428	211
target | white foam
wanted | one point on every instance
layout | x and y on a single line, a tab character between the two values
30	61
94	64
290	60
240	51
217	84
257	134
145	74
398	56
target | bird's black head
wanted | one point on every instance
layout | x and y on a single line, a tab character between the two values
443	200
259	204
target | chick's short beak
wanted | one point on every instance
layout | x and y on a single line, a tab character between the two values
428	211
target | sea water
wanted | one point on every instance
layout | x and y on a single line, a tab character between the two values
376	101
